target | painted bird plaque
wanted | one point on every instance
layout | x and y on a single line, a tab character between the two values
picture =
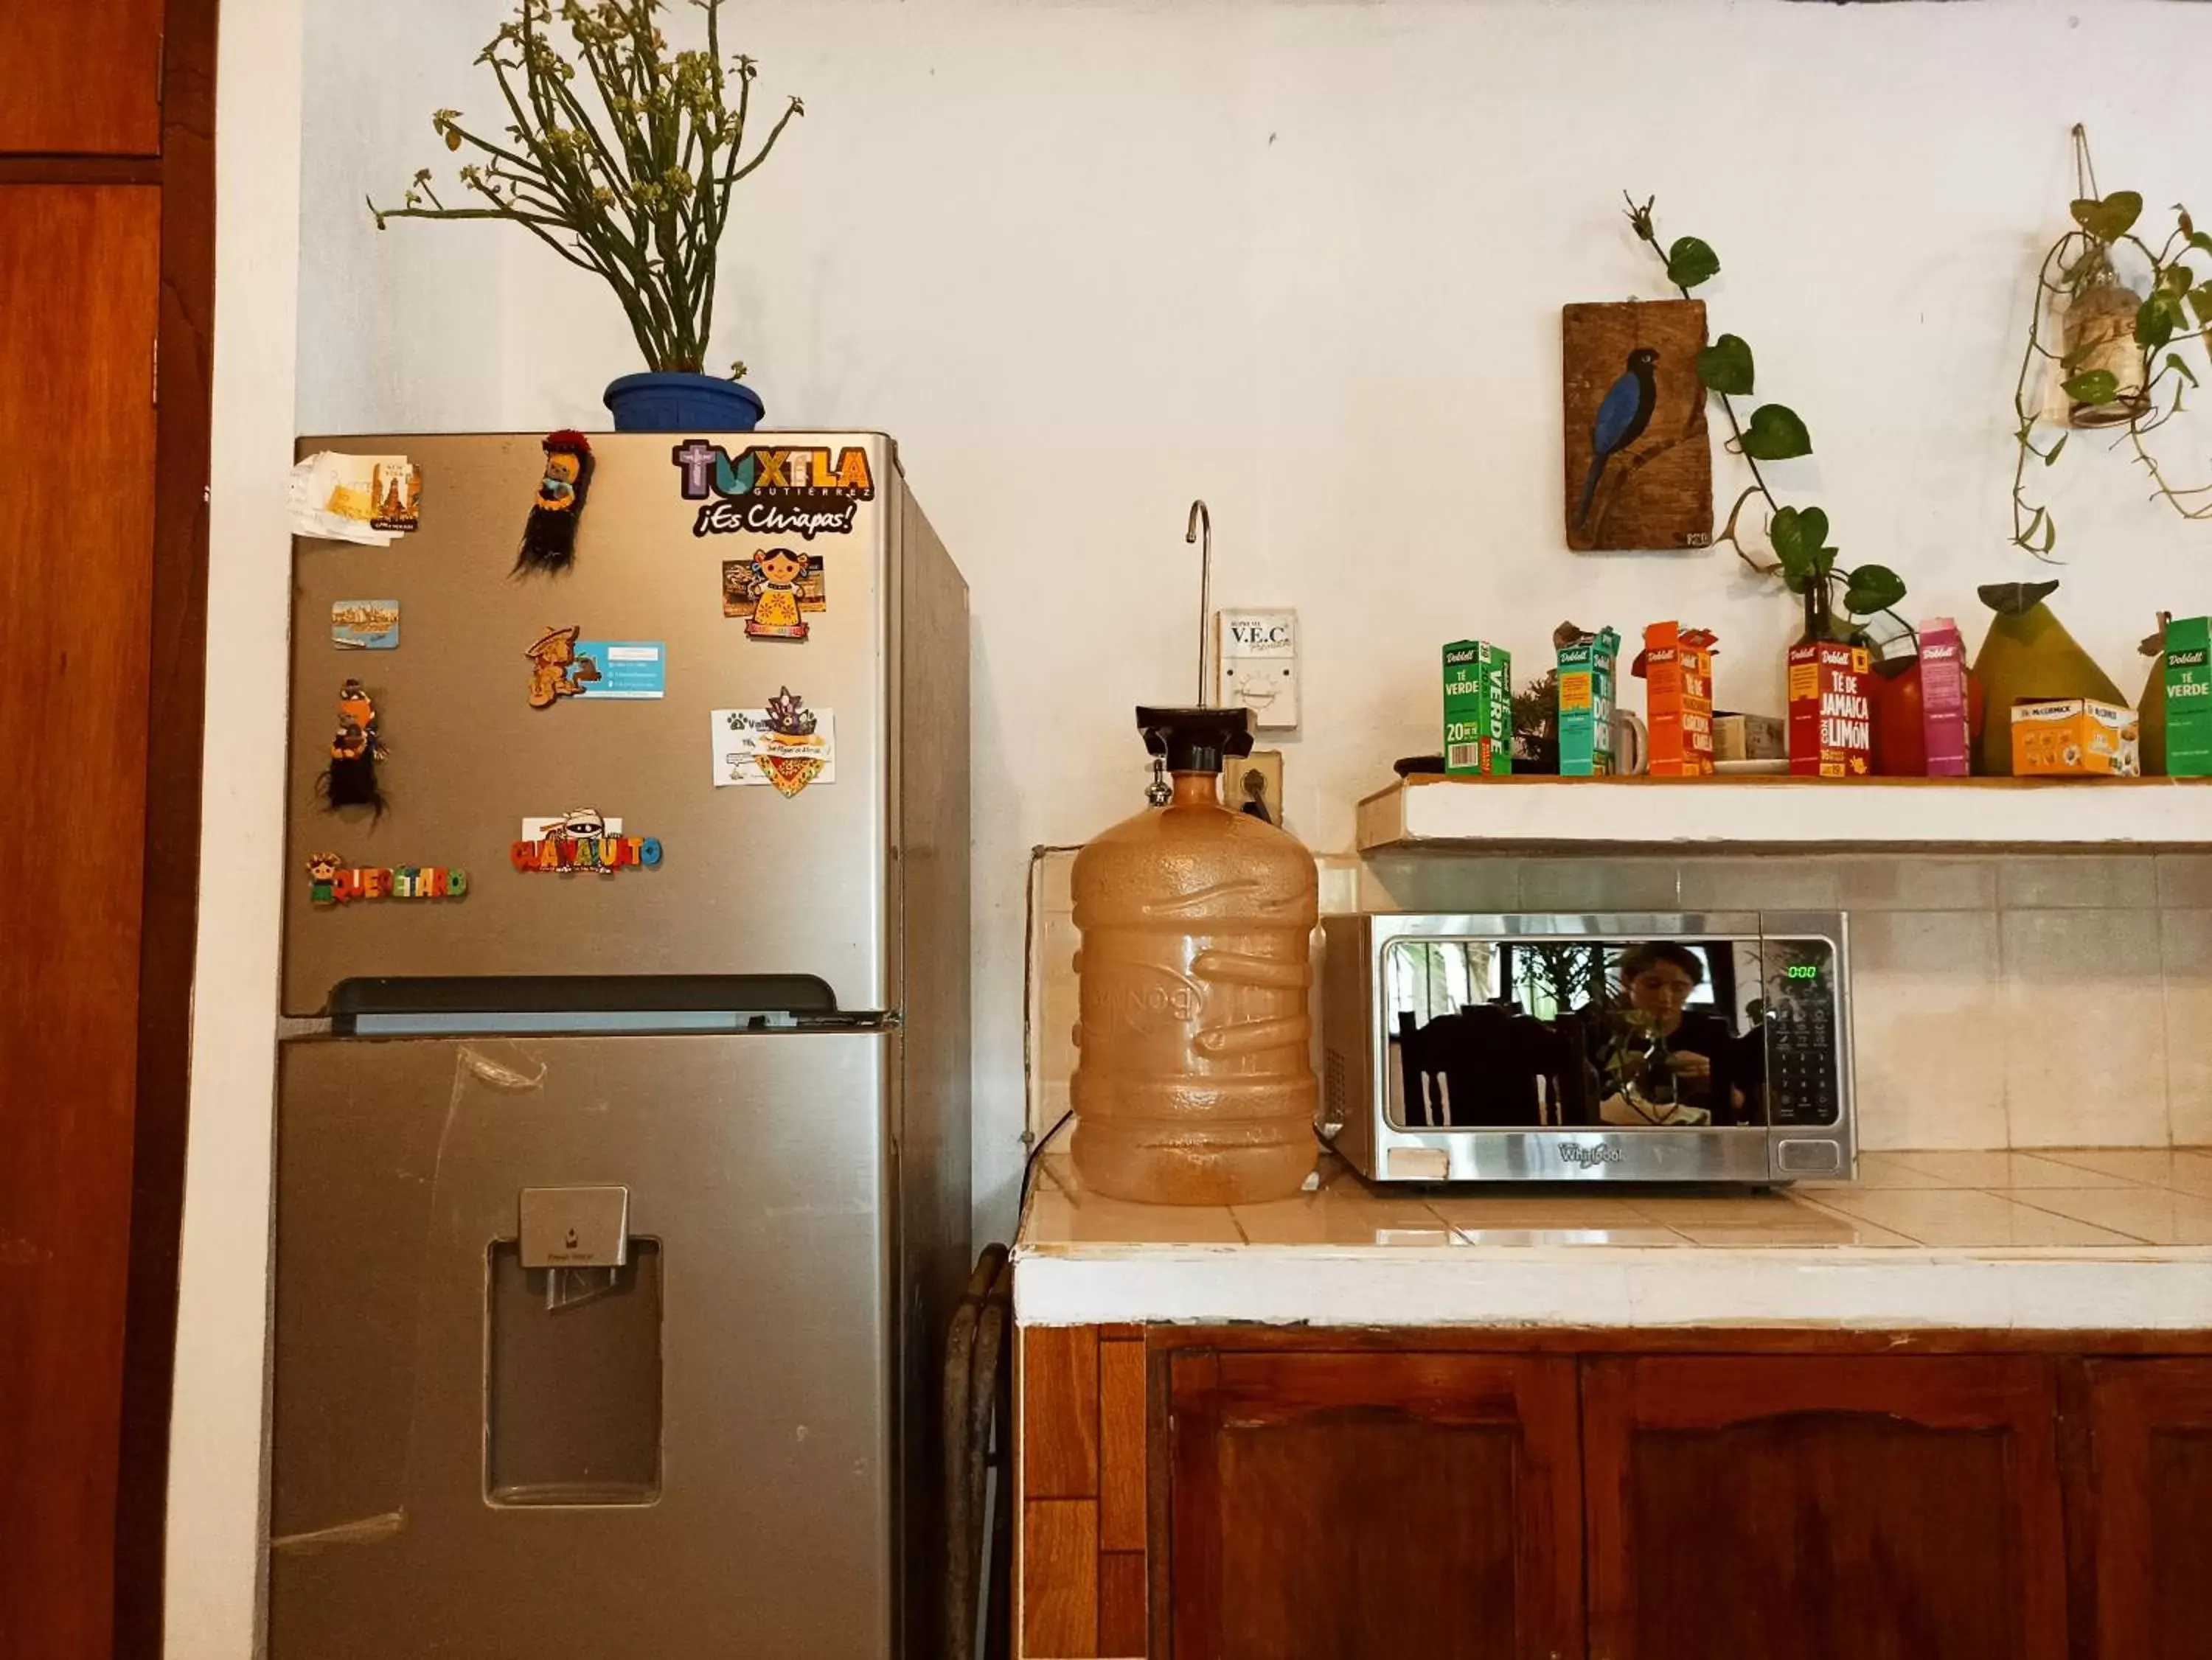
1640	470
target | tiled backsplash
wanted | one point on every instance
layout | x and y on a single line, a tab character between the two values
2060	1000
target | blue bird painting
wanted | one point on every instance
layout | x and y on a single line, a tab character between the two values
1621	420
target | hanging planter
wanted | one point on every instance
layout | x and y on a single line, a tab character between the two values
2099	331
622	157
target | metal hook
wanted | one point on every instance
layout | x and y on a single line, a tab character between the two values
1202	522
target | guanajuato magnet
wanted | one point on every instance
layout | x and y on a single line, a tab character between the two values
582	839
331	881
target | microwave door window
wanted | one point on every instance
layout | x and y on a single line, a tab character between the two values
1554	1034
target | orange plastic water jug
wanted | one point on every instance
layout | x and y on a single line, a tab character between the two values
1193	1080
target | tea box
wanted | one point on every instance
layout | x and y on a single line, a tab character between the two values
1944	698
2189	698
1586	668
1478	708
1831	710
1678	670
2071	736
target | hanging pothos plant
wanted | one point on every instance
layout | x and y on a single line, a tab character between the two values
2113	335
1839	603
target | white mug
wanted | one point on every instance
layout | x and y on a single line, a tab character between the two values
1631	744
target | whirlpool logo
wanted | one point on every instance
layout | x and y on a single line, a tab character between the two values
1589	1155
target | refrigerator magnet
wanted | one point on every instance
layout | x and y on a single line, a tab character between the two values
548	535
356	747
582	839
331	881
773	489
622	668
773	590
785	745
557	670
365	624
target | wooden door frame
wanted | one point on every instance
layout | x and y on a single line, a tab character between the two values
175	718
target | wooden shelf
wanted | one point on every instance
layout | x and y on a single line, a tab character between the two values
1445	813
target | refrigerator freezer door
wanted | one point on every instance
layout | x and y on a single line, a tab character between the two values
750	881
730	1494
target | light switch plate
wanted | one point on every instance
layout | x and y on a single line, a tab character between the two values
574	1226
1257	655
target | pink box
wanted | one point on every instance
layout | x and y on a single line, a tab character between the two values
1943	697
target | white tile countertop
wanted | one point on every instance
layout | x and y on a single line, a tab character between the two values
2060	1239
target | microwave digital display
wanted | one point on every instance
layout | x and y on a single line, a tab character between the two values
1667	1033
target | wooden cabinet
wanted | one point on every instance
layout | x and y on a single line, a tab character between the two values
81	77
1310	1495
1327	1506
1844	1508
2148	1495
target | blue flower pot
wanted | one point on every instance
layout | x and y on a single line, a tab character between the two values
683	404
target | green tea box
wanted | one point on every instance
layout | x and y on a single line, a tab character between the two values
2189	698
1478	708
1586	671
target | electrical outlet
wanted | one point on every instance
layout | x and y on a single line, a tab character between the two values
1257	657
1254	781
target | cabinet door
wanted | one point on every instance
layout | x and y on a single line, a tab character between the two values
1333	1506
2150	1425
79	283
1828	1508
81	77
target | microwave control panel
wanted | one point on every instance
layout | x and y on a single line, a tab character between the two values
1804	1087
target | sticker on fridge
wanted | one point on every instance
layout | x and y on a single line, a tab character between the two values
626	669
773	490
785	745
582	839
773	590
365	624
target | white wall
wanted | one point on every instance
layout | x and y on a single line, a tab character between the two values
1087	261
216	1427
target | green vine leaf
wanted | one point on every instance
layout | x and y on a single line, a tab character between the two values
2050	456
2200	299
1776	434
1873	588
2174	362
2155	320
2093	387
1800	537
1725	366
2109	220
1691	262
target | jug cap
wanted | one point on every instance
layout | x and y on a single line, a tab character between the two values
1195	740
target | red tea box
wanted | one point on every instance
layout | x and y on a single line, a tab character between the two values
1831	711
1677	672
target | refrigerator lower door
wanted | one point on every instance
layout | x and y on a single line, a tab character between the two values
683	1447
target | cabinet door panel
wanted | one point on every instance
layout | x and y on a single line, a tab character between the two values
2151	1435
1832	1509
1328	1506
78	289
81	77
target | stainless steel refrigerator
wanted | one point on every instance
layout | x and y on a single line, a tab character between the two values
622	1199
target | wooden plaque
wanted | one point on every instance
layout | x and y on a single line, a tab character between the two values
1652	486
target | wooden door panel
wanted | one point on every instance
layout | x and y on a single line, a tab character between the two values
2150	1424
81	77
1833	1509
78	293
1336	1506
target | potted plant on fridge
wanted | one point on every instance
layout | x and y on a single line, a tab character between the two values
621	156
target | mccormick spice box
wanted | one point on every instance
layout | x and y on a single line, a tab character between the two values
1478	708
1678	668
1586	695
1943	697
2189	698
2070	736
1831	711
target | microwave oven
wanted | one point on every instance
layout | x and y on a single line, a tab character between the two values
1654	1047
